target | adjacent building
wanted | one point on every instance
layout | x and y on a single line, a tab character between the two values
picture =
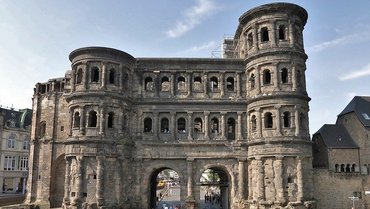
14	148
341	157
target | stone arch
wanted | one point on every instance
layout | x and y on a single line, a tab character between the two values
58	179
226	181
153	170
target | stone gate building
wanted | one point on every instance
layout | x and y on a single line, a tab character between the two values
101	134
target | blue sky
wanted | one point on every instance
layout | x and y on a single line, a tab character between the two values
38	35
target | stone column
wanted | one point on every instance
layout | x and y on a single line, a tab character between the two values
189	169
296	121
83	117
121	78
172	85
205	84
85	70
103	75
156	124
100	180
278	170
291	33
223	126
172	125
260	179
79	180
102	121
72	120
250	180
258	80
222	83
294	78
255	36
278	120
273	33
67	183
206	125
190	126
300	193
241	183
73	79
189	83
276	77
238	85
239	135
259	122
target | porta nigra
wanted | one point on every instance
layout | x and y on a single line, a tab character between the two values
101	133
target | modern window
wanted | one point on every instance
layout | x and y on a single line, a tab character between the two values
9	163
11	141
23	164
26	143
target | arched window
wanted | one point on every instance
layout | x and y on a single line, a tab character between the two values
342	168
198	83
92	119
268	120
266	77
94	74
284	75
264	34
348	168
76	120
11	140
112	75
149	86
214	84
42	128
147	125
254	123
231	129
282	32
230	84
214	125
337	169
181	86
353	168
250	40
110	120
286	119
252	80
198	125
165	125
79	76
181	125
165	84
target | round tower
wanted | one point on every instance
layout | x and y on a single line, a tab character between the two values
99	104
270	40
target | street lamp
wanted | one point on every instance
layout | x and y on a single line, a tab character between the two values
353	198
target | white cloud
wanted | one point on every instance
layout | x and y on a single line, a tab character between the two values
365	71
349	39
192	17
205	46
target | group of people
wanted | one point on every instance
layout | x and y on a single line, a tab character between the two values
212	198
170	207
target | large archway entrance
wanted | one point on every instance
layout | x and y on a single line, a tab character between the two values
214	189
57	187
164	189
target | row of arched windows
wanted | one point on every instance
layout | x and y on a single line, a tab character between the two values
198	125
345	168
282	35
268	120
95	75
92	119
165	84
267	77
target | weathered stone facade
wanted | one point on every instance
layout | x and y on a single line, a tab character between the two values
102	132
